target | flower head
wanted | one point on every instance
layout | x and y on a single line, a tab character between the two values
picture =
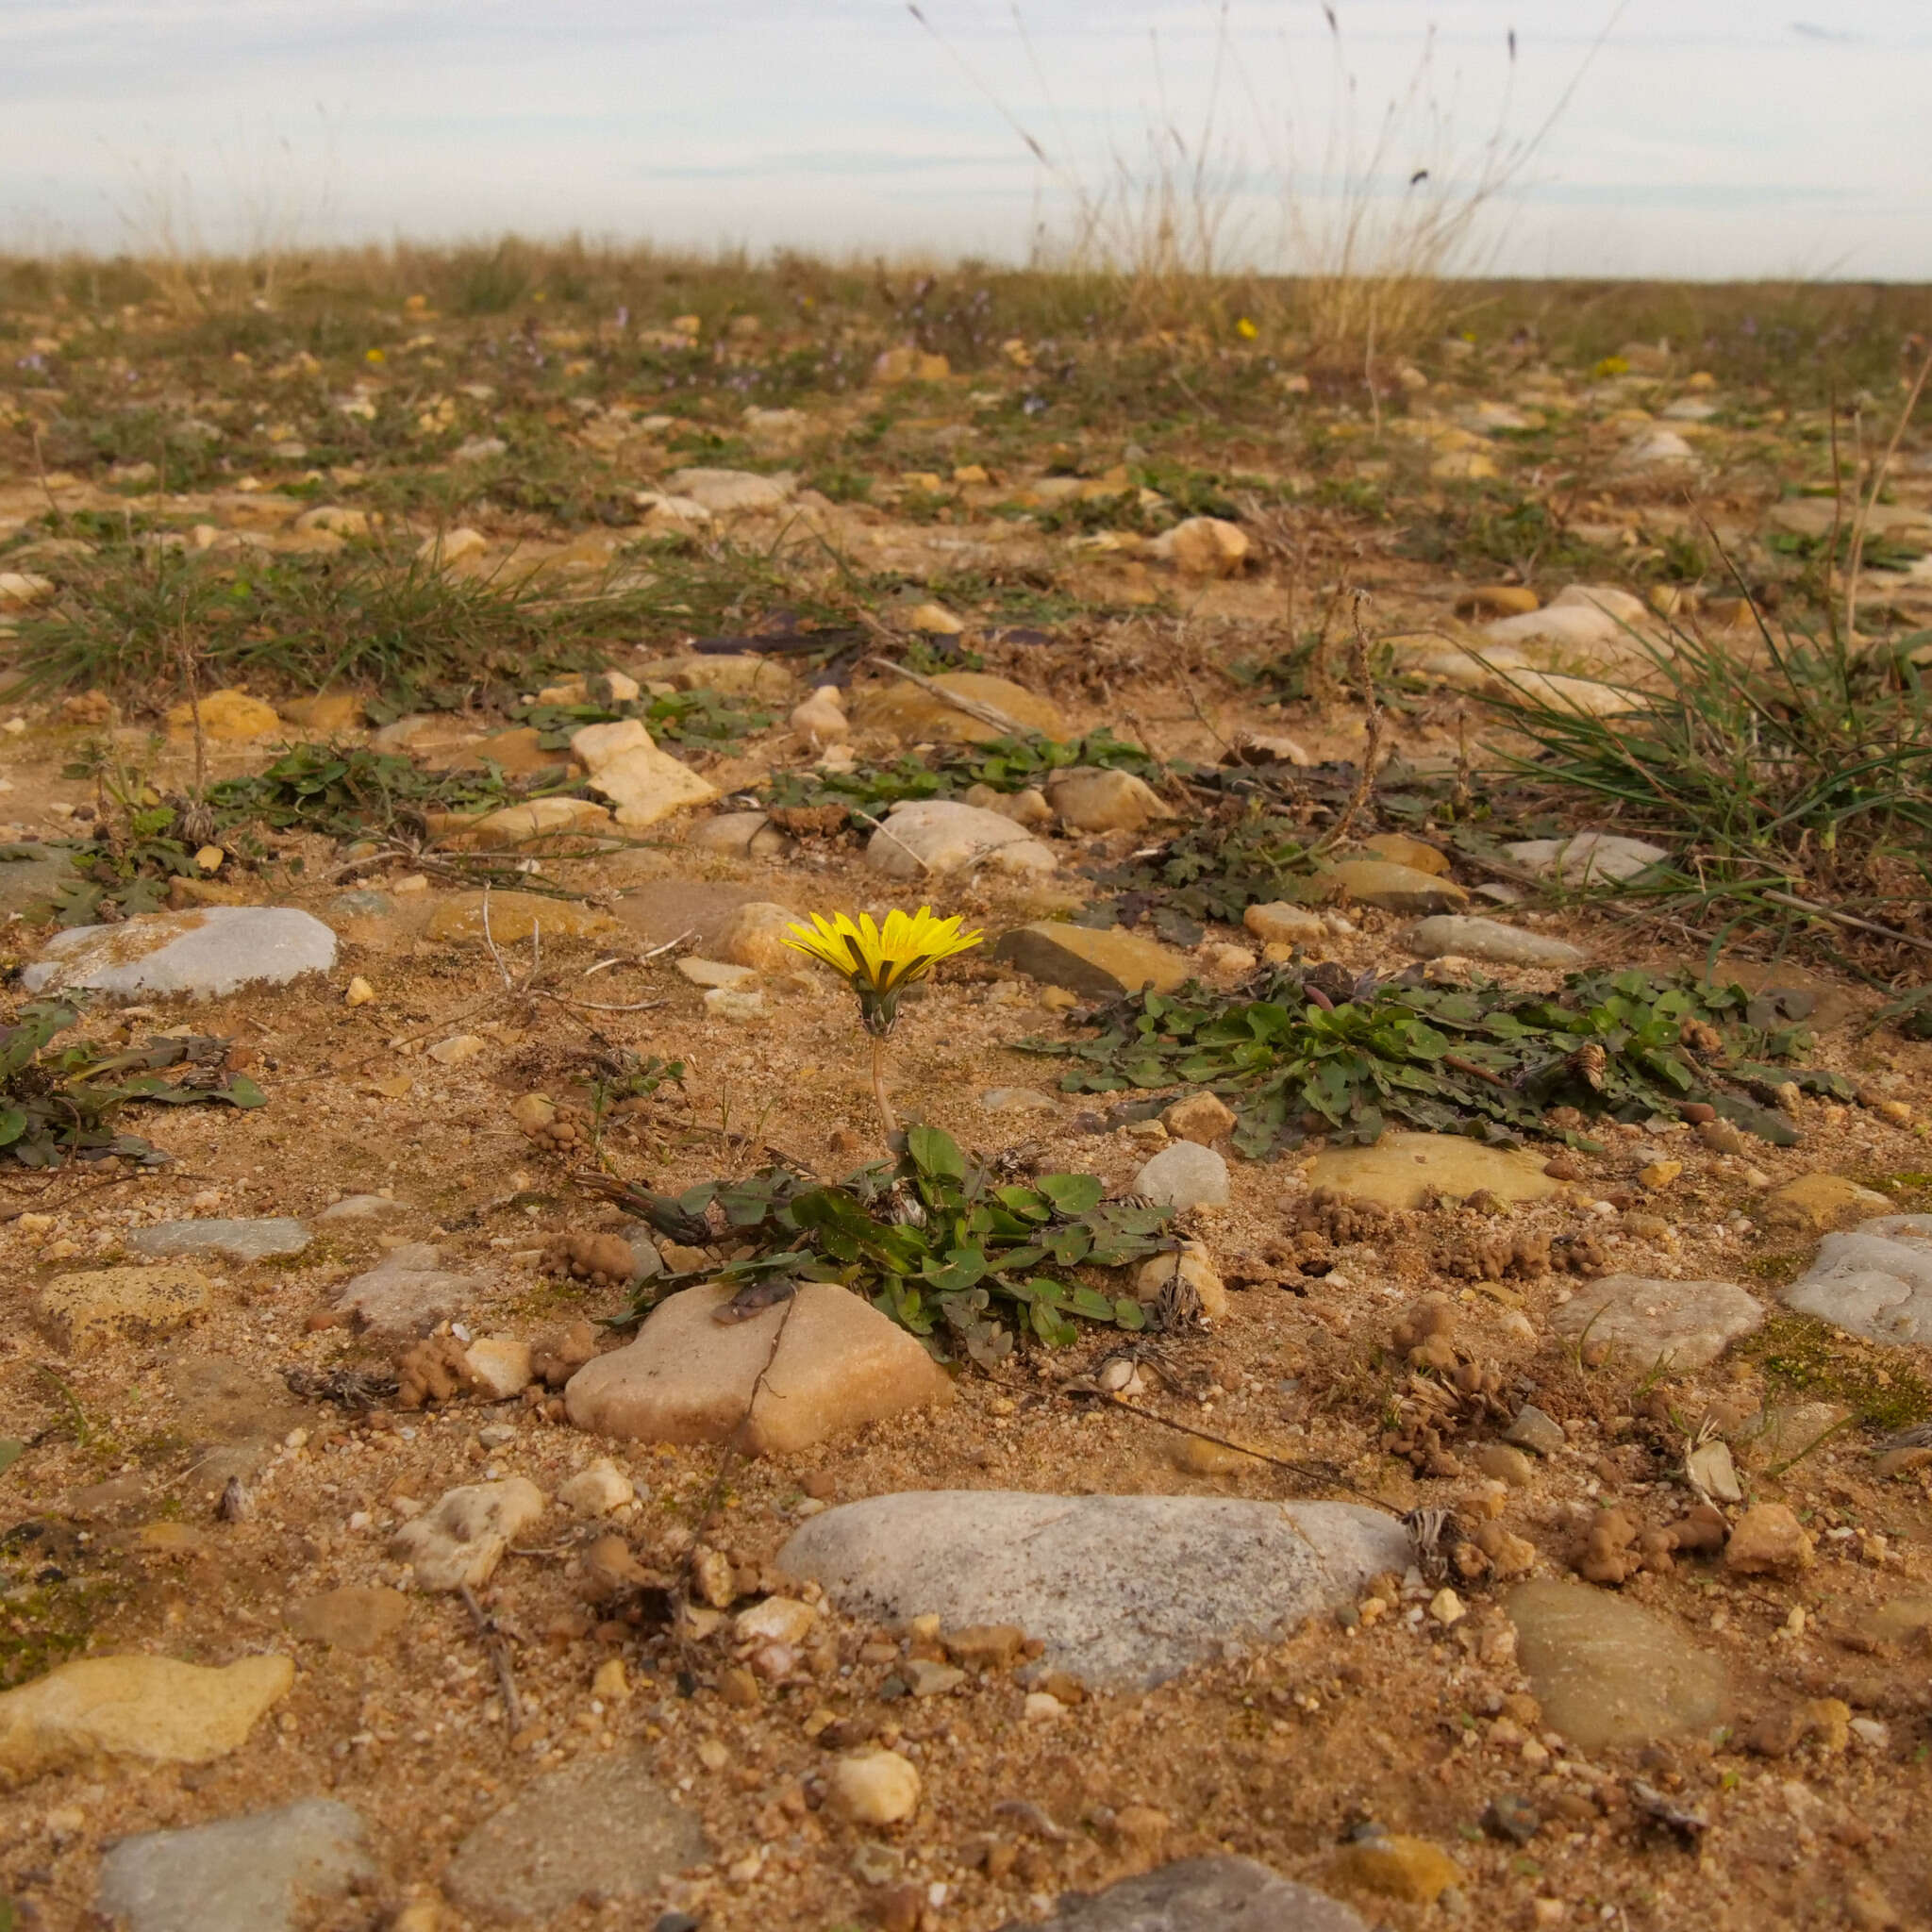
1246	330
880	963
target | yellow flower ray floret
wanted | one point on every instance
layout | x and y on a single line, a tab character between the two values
879	961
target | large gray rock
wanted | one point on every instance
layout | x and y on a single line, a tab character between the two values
923	837
1219	1894
245	1874
240	1240
208	952
1874	1282
1681	1324
1122	1591
602	1826
1452	935
1607	1673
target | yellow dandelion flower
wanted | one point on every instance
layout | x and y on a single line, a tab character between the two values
879	963
1246	330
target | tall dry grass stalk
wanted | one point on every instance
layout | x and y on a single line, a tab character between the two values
1359	239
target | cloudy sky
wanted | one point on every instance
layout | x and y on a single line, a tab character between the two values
1699	138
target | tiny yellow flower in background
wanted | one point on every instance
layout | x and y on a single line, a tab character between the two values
879	963
374	356
1246	330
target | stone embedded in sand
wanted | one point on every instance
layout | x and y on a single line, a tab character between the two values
728	492
241	1874
461	1538
355	1619
231	716
1586	857
1817	1202
1609	1673
150	1707
741	833
1450	936
1396	1867
1280	923
923	837
240	1240
83	1312
1874	1282
915	715
536	819
1681	1324
1496	600
408	1291
689	1377
1090	799
1391	888
207	953
1769	1539
513	917
20	589
1222	1894
756	936
1403	1169
873	1785
1125	1591
1184	1176
1203	547
1097	962
602	1827
646	785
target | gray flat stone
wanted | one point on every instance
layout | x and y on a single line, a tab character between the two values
1683	1324
1122	1591
245	1874
1184	1174
408	1291
602	1826
1455	935
1607	1673
1219	1894
1874	1282
240	1240
206	953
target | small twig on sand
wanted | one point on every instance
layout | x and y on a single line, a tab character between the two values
1363	790
986	714
497	1646
1850	919
489	941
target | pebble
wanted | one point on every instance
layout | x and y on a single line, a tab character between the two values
915	715
1403	1169
691	1379
1391	888
601	1828
1194	1268
1122	1591
1510	1817
1096	963
1769	1539
1395	1867
207	953
1018	1100
1200	1118
1607	1673
1682	1324
240	1240
1220	1894
1712	1473
362	1207
597	1490
462	1537
498	1366
1817	1202
84	1312
1874	1282
873	1785
1090	800
151	1707
1184	1174
1504	1463
241	1874
1280	924
1449	936
726	493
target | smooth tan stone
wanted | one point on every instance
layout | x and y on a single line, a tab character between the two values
1401	1170
1391	888
538	819
1097	962
84	1312
151	1707
915	715
690	1378
513	916
231	716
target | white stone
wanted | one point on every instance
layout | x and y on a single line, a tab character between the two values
873	1785
598	1489
499	1366
1874	1282
1184	1176
206	953
1585	856
777	1620
1452	935
723	491
461	1538
930	836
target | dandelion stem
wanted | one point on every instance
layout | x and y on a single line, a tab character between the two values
888	1118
